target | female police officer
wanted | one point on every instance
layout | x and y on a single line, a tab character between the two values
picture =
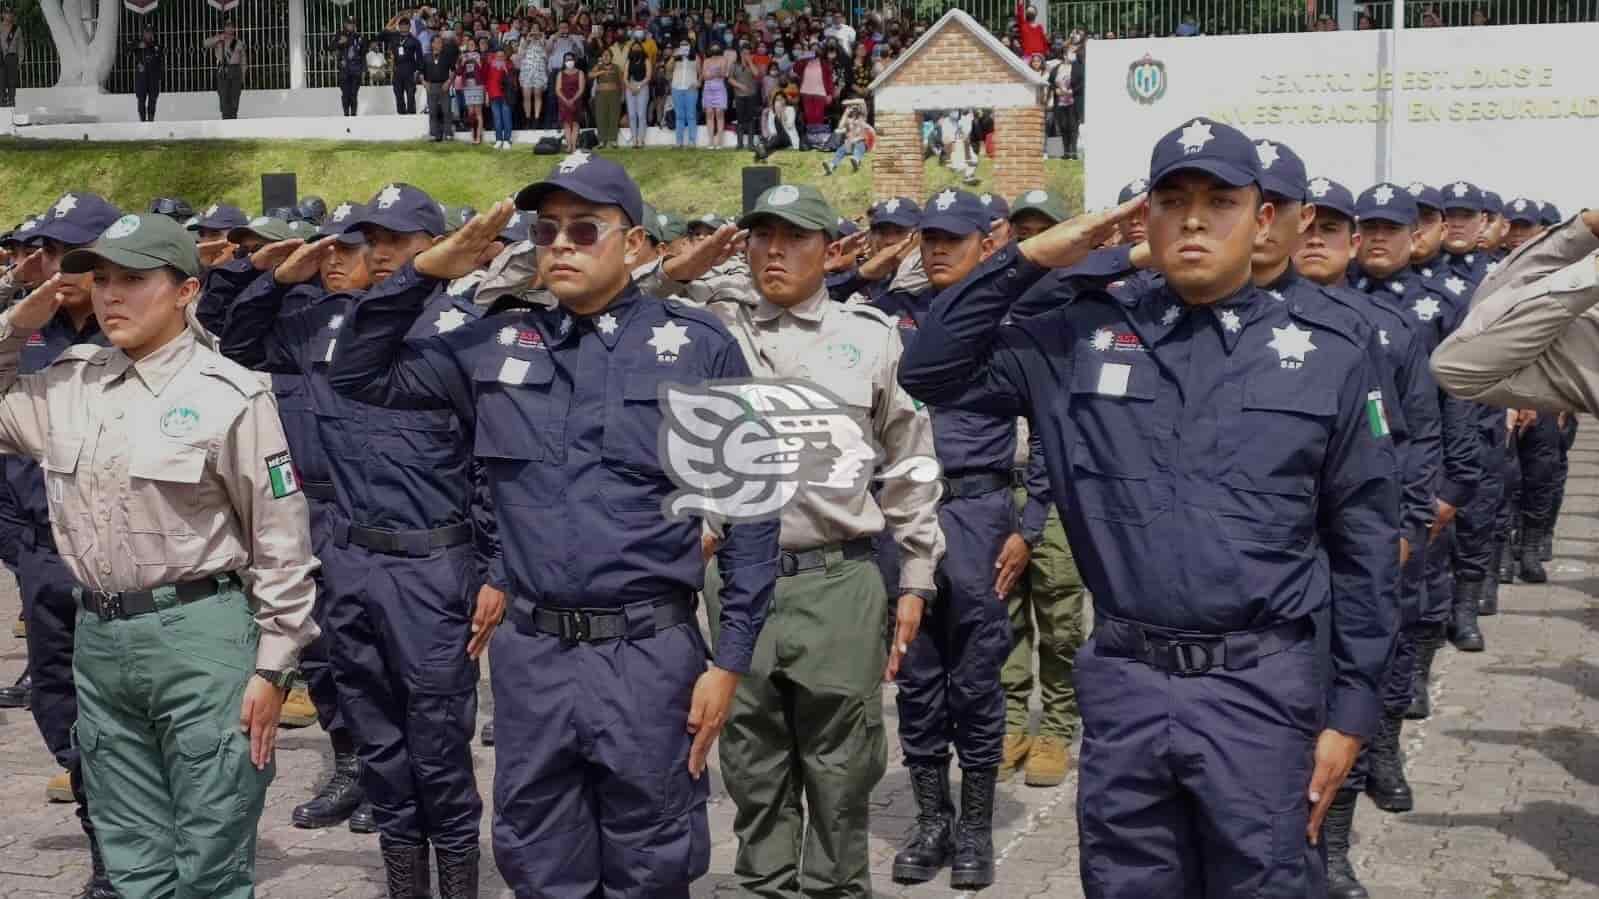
175	504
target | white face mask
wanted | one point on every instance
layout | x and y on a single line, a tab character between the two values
570	64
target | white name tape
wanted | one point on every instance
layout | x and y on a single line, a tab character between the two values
513	370
1113	379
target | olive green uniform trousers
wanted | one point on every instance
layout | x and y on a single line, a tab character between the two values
172	793
804	743
1046	613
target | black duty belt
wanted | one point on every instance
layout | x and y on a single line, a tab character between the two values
132	603
635	621
1018	477
1188	654
410	543
977	483
319	490
792	562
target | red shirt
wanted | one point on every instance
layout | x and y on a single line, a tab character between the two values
1032	34
494	80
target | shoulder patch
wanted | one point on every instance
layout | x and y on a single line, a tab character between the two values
865	310
248	383
84	352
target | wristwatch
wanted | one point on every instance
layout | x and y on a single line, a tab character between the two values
279	679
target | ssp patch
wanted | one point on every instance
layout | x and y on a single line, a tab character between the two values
280	471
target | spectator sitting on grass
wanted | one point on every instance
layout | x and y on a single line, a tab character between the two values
777	128
856	134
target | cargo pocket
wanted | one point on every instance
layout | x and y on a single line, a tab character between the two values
211	788
440	713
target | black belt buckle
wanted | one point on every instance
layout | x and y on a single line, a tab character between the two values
787	564
574	626
1190	658
109	605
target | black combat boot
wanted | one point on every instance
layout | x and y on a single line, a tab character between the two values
405	866
1531	567
337	799
1506	558
1546	546
1463	630
1386	784
99	885
1335	830
973	867
1488	598
361	820
931	841
457	873
1427	646
18	695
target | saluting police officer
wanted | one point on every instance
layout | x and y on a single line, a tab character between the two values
175	506
805	744
349	48
148	69
1427	240
1239	441
601	688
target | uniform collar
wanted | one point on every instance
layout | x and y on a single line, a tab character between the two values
608	324
158	369
1236	313
1395	285
808	310
1156	317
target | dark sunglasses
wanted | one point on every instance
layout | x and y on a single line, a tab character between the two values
581	233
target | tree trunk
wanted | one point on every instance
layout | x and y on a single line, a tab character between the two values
85	61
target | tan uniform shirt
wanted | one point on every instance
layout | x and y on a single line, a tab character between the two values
222	53
854	353
161	471
1531	340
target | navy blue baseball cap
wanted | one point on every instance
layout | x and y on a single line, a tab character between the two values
333	224
1204	145
1387	202
1551	215
1492	204
1329	194
1461	195
1132	189
76	219
594	178
219	217
901	211
996	206
1426	195
847	227
956	212
20	233
400	208
516	228
1282	172
1523	210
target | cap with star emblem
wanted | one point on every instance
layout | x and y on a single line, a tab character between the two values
709	220
955	212
1202	145
516	228
1426	195
996	206
1523	211
901	211
139	242
1492	204
267	228
1387	202
1326	193
594	178
75	219
1461	195
1282	172
1550	215
1049	205
20	233
219	217
847	227
1132	189
801	205
400	208
333	225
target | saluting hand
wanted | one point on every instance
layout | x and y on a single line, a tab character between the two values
907	621
1067	243
707	714
273	255
1335	755
1012	561
842	253
458	254
38	307
303	263
30	271
258	717
486	616
886	261
214	252
715	249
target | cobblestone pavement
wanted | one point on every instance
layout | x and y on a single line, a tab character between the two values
1506	775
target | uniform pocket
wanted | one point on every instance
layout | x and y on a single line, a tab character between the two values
74	528
1272	483
518	418
442	707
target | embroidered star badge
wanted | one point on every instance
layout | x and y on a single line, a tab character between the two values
574	161
388	196
1170	316
1230	321
1382	335
1276	295
606	324
1416	188
1460	188
1267	152
1519	205
1137	186
668	341
1195	136
1427	272
505	336
212	210
1292	345
1383	195
1319	187
945	200
1396	287
66	204
336	322
449	320
1426	308
1102	339
1492	267
892	206
1361	284
1470	258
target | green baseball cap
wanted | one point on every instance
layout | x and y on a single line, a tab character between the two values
801	205
709	220
652	223
456	217
1050	205
267	228
140	242
671	226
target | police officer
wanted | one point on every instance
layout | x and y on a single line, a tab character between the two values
312	209
1522	222
893	261
1132	230
406	50
211	229
174	503
147	72
1550	216
349	49
231	274
1427	241
175	208
404	567
1465	220
1539	439
1197	784
229	55
1494	227
47	585
599	787
807	720
998	218
1046	606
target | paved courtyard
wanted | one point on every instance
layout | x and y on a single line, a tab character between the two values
1506	775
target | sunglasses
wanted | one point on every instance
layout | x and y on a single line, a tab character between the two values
581	233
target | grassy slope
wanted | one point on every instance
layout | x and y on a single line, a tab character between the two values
34	173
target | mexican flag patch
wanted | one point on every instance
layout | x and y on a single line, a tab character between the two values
285	481
1375	416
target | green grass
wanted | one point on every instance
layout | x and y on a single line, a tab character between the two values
203	172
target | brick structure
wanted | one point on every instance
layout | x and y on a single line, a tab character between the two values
958	64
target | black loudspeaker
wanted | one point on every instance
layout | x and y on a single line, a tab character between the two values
279	190
757	179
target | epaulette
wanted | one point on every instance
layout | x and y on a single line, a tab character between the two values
1335	317
680	309
94	354
248	383
866	310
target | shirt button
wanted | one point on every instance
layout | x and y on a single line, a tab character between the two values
105	569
